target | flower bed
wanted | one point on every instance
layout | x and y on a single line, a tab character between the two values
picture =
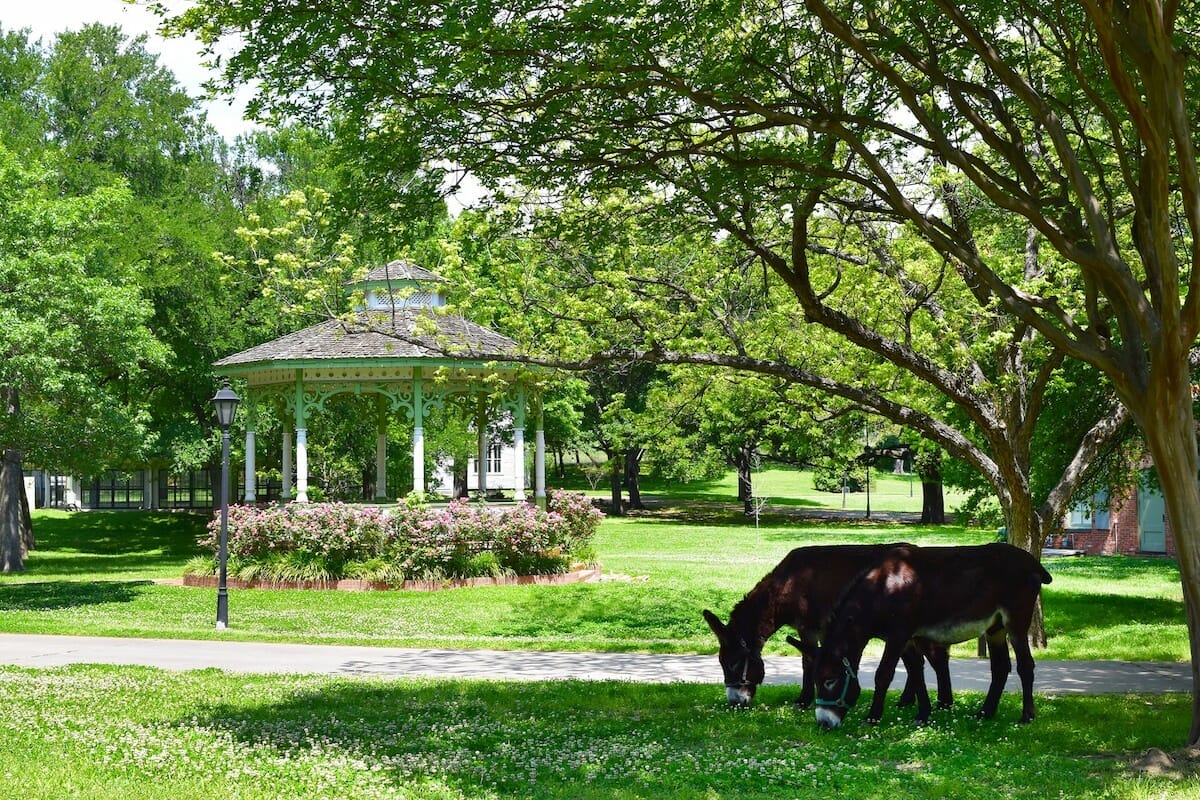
334	541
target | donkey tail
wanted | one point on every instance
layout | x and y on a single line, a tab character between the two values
1045	576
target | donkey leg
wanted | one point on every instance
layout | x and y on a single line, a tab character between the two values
1001	667
1020	643
939	659
883	678
808	685
807	645
908	695
914	665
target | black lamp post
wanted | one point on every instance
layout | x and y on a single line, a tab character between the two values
225	402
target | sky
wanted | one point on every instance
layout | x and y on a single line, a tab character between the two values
46	18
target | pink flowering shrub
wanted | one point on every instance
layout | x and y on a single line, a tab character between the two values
458	540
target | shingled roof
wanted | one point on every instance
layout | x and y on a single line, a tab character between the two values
382	336
401	271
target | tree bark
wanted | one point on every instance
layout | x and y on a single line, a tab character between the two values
27	540
745	479
933	502
633	473
1171	440
12	489
618	508
12	545
459	477
928	466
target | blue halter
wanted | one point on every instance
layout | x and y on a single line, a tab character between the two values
841	701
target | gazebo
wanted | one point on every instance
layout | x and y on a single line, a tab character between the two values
403	348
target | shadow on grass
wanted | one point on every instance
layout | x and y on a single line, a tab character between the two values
1116	568
46	566
629	617
621	741
112	533
57	595
460	739
1074	611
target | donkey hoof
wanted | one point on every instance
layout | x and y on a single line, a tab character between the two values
921	722
872	720
1026	719
984	714
944	706
800	704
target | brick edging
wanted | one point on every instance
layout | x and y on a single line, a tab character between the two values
356	585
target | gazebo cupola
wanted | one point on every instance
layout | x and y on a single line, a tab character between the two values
401	284
407	351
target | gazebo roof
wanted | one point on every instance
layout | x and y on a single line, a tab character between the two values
400	271
403	335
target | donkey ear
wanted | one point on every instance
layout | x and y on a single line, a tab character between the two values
717	626
805	650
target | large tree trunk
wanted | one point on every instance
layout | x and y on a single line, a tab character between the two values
933	500
12	545
27	541
1170	436
12	490
459	477
615	463
1027	530
633	473
744	464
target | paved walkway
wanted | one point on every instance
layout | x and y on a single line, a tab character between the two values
1053	677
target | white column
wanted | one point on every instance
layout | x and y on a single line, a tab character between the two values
301	465
418	433
539	465
519	465
418	459
482	457
285	494
251	486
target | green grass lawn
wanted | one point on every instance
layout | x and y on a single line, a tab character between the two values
93	573
124	732
781	487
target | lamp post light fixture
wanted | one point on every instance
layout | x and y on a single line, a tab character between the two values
225	402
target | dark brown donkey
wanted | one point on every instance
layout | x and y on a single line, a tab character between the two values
941	595
801	592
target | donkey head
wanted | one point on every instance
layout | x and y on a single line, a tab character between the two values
837	686
741	661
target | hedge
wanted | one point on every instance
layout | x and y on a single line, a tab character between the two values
329	541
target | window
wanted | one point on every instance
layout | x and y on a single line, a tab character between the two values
1093	513
118	489
493	459
185	489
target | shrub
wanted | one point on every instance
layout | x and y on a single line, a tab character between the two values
459	540
832	477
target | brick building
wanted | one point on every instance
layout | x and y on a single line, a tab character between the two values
1133	523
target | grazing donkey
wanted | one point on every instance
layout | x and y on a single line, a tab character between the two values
940	595
800	592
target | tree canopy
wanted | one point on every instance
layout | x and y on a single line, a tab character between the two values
1062	129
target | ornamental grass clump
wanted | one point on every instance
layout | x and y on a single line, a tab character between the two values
328	541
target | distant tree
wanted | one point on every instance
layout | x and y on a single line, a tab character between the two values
75	337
